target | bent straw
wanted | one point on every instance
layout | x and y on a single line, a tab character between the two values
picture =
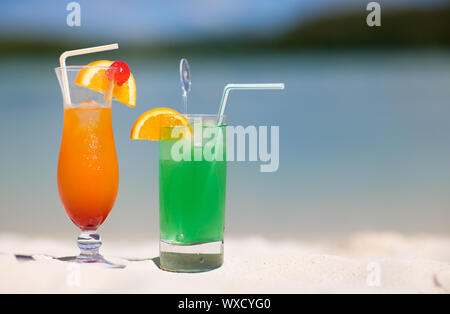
71	53
229	87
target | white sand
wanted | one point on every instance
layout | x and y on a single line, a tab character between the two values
364	263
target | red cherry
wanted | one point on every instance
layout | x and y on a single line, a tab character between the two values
121	72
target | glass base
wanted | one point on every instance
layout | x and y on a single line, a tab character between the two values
190	258
89	243
93	259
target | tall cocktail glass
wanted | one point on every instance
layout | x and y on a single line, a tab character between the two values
88	171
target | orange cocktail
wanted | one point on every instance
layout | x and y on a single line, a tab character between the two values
88	172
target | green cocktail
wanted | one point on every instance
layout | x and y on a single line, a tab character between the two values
192	184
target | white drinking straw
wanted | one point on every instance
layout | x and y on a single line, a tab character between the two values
229	87
70	53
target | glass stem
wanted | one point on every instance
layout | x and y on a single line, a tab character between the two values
89	243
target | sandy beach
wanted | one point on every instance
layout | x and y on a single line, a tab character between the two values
362	263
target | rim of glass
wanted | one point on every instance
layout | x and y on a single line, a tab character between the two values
202	116
206	116
78	67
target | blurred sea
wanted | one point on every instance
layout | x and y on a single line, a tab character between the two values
364	143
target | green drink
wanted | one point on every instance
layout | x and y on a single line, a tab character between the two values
191	213
192	184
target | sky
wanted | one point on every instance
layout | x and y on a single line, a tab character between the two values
171	20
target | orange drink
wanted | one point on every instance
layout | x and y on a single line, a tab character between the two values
88	172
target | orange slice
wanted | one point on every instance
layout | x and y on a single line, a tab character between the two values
95	79
148	125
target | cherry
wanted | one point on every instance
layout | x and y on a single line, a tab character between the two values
121	73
